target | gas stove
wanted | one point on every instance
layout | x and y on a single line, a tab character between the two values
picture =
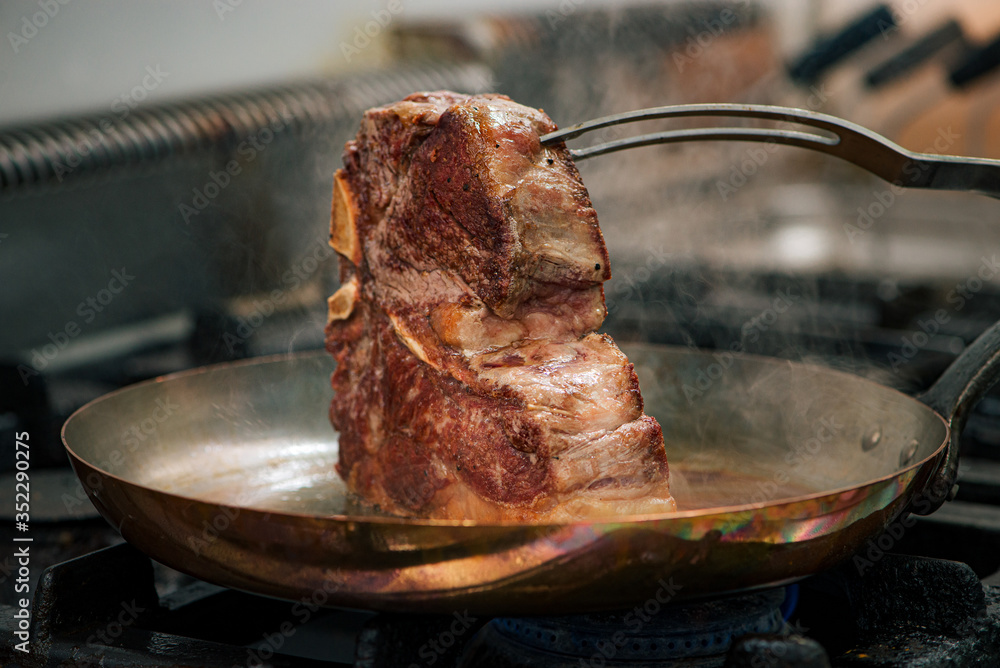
111	608
923	594
894	298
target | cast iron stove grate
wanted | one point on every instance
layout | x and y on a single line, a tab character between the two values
895	610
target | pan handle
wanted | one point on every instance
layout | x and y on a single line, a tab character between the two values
954	395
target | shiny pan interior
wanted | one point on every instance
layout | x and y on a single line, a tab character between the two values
780	469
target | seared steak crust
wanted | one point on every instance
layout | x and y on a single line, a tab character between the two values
470	383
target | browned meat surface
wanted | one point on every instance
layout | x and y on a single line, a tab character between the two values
470	383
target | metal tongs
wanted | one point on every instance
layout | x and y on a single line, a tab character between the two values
844	140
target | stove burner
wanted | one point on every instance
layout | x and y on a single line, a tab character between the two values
761	651
687	634
107	609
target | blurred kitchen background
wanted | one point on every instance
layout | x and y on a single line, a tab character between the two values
165	172
165	177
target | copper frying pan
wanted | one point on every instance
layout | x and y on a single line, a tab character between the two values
780	470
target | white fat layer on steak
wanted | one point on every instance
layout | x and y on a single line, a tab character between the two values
583	386
472	328
555	235
555	241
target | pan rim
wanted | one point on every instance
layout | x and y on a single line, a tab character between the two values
646	518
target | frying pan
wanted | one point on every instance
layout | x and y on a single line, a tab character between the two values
780	470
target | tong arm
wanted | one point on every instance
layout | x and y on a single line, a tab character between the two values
843	139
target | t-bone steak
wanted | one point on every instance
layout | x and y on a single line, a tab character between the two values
470	380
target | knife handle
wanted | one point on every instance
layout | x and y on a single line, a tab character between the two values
919	52
979	63
829	50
